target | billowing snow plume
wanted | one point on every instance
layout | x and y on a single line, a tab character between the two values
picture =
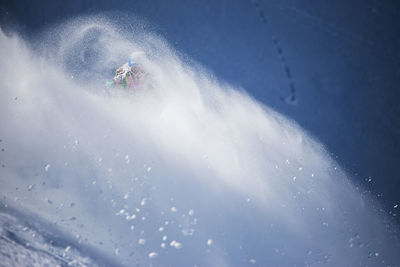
186	171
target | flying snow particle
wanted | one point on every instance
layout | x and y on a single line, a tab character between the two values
188	232
152	255
209	242
131	217
175	244
142	241
47	167
120	212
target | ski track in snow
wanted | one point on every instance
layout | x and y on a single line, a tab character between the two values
291	98
188	171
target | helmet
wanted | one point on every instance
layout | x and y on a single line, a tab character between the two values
137	58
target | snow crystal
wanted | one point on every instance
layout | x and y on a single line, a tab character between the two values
209	242
142	241
173	209
164	238
148	169
126	196
132	227
191	212
161	229
163	245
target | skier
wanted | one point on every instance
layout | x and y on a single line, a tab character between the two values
131	75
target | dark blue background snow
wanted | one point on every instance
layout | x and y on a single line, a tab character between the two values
333	67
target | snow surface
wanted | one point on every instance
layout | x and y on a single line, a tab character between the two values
190	171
